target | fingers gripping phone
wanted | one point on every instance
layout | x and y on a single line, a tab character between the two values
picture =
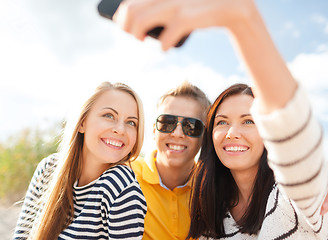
107	8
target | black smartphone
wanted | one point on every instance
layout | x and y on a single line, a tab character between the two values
107	8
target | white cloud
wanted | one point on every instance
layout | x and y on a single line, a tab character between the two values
311	70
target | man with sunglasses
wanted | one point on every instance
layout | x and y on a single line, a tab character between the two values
164	175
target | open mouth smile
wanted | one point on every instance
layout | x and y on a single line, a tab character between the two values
176	147
113	143
236	149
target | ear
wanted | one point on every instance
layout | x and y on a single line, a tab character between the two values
82	128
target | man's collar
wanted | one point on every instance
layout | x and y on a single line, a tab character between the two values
151	175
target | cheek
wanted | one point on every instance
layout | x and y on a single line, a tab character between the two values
90	131
133	133
94	126
217	137
255	137
159	137
196	144
257	143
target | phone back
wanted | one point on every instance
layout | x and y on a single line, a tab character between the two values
107	8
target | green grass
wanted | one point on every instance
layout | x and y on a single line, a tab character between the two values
19	156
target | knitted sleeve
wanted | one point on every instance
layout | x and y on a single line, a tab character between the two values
37	187
294	140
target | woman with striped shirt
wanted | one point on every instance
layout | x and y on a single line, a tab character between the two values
88	190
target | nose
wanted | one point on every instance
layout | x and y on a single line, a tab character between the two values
119	127
178	132
233	133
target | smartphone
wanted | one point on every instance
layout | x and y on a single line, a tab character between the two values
107	8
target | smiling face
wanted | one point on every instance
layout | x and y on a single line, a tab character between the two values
110	129
175	149
235	137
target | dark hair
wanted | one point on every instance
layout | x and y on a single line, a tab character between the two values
214	190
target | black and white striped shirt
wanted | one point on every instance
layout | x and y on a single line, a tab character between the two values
111	207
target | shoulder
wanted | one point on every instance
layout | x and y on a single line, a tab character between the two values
280	207
119	182
146	170
46	167
117	178
122	172
48	163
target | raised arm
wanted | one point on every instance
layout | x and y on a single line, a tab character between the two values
273	84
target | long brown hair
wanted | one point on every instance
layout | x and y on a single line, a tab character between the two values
58	210
214	190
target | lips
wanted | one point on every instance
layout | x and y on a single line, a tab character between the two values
113	143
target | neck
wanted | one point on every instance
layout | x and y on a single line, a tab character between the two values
91	170
173	177
245	182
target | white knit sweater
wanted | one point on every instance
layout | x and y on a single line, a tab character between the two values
294	140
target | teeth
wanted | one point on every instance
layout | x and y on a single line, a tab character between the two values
176	147
236	149
114	143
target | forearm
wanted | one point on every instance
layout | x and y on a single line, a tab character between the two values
294	140
273	84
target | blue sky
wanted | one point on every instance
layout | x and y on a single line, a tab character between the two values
54	52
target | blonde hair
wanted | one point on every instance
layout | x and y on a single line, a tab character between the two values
186	89
58	210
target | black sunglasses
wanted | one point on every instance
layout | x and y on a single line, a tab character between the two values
192	127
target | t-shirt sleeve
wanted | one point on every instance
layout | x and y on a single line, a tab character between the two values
126	216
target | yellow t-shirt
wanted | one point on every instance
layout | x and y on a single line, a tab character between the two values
167	210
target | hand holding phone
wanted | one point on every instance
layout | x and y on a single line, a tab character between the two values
107	8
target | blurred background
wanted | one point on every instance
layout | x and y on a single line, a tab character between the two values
53	53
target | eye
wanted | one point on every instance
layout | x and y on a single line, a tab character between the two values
249	121
108	115
221	122
132	123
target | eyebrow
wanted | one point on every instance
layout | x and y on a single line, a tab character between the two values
117	113
246	115
111	109
242	116
220	115
133	118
